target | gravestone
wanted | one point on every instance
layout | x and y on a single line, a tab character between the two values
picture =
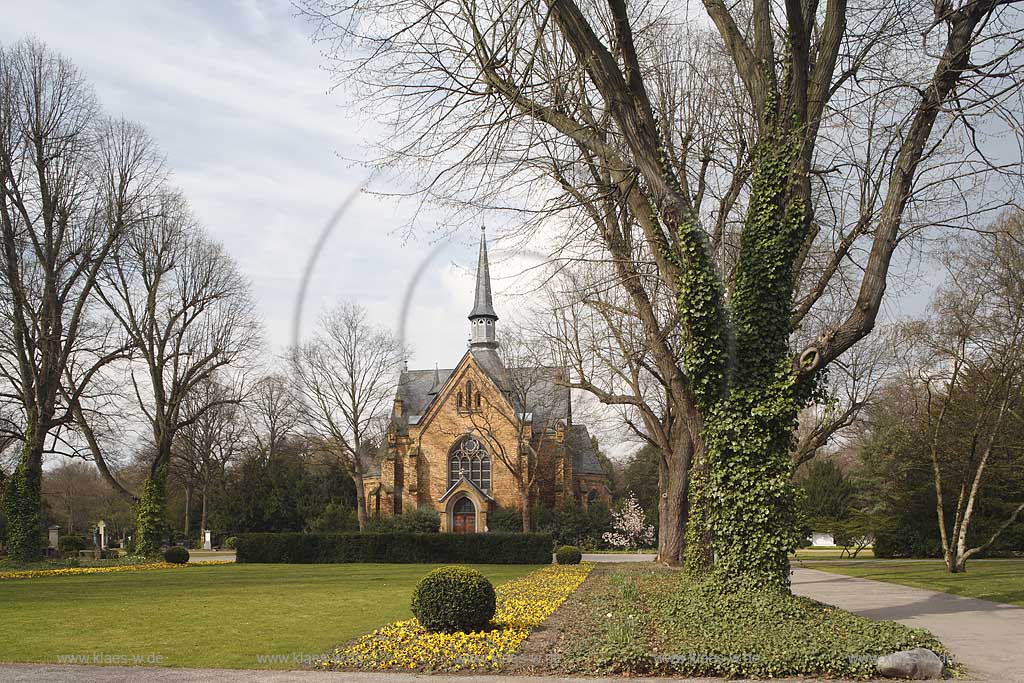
207	539
53	536
101	526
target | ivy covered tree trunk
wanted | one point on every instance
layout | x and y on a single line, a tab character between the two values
22	503
745	384
149	515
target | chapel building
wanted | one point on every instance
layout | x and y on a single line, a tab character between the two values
464	440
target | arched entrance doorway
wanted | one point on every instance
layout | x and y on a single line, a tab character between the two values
464	516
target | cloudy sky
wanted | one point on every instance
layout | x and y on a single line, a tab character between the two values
234	94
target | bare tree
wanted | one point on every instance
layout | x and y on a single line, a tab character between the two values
206	445
346	377
71	184
602	337
189	316
853	384
858	114
968	364
272	414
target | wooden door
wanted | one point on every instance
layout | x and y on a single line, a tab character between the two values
464	517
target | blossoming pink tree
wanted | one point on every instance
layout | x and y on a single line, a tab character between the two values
630	528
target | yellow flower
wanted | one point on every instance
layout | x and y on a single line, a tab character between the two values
522	605
77	571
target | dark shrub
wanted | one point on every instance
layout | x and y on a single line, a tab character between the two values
70	545
572	524
422	520
490	548
229	543
335	519
508	520
381	525
568	554
176	555
454	599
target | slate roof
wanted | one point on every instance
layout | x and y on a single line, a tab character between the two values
584	457
546	399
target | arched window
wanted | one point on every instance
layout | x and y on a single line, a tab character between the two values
468	459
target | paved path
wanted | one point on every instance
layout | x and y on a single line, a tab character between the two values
619	557
215	556
986	637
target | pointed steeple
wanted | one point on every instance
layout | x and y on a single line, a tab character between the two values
482	318
482	304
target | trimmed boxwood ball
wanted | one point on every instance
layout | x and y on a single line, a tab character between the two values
454	599
568	554
176	555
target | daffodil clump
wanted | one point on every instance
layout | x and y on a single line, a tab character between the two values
77	571
522	605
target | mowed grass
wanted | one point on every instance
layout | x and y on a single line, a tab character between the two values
229	616
998	580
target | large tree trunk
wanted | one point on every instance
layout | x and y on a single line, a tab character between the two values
22	500
151	511
673	505
361	514
750	501
524	499
188	508
202	520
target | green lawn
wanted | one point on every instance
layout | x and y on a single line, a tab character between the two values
232	616
998	580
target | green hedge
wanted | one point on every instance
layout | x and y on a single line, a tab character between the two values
489	548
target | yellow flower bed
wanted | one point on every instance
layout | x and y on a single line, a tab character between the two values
522	605
75	571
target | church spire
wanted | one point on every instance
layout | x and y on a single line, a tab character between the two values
482	318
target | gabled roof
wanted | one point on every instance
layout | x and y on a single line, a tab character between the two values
584	457
460	484
547	399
